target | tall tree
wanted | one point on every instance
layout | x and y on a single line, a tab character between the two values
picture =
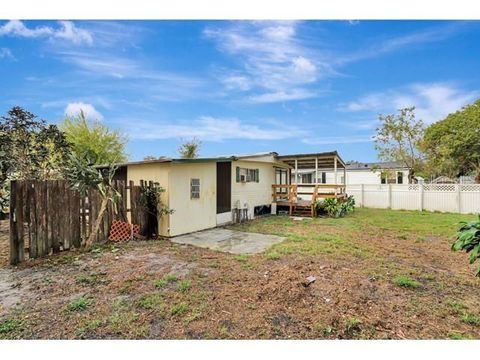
452	145
398	139
94	139
190	149
29	148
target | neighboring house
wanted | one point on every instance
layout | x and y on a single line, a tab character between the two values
377	173
358	173
207	192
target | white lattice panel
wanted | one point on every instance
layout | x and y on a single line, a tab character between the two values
470	188
440	187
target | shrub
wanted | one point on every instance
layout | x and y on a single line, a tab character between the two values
350	204
468	239
334	208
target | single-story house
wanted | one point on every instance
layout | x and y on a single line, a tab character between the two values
207	192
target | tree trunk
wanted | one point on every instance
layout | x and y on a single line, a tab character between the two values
92	237
411	176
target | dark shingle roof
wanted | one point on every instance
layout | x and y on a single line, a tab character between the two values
375	165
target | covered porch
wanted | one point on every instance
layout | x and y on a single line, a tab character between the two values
311	177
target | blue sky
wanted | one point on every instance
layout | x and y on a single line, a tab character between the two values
240	86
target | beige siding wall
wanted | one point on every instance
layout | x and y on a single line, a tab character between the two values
197	214
252	194
158	172
192	214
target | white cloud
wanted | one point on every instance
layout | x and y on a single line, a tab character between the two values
273	58
74	109
208	128
433	101
338	140
237	82
378	48
17	28
273	62
295	94
67	31
5	53
369	102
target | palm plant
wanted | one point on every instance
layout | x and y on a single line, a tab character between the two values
83	175
468	239
190	149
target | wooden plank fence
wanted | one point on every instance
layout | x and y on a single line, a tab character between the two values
48	217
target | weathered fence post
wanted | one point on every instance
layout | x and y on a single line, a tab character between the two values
16	223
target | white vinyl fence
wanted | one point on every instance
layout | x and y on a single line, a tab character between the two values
455	198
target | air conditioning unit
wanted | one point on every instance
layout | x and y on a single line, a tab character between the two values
243	178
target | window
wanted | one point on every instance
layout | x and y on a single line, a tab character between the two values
399	177
194	188
247	175
324	177
281	176
388	177
252	175
306	178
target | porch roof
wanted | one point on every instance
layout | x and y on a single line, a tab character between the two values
307	161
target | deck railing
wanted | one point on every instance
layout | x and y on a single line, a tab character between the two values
295	192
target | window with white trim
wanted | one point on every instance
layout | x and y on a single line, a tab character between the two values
194	188
247	175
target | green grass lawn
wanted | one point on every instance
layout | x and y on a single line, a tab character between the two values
357	233
415	222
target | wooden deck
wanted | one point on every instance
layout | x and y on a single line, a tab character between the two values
301	198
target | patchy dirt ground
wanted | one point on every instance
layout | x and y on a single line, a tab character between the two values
379	274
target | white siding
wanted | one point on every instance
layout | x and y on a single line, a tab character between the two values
251	194
362	176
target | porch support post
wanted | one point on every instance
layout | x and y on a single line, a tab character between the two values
335	169
344	175
296	171
316	170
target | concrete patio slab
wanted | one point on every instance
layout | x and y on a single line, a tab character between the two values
235	242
